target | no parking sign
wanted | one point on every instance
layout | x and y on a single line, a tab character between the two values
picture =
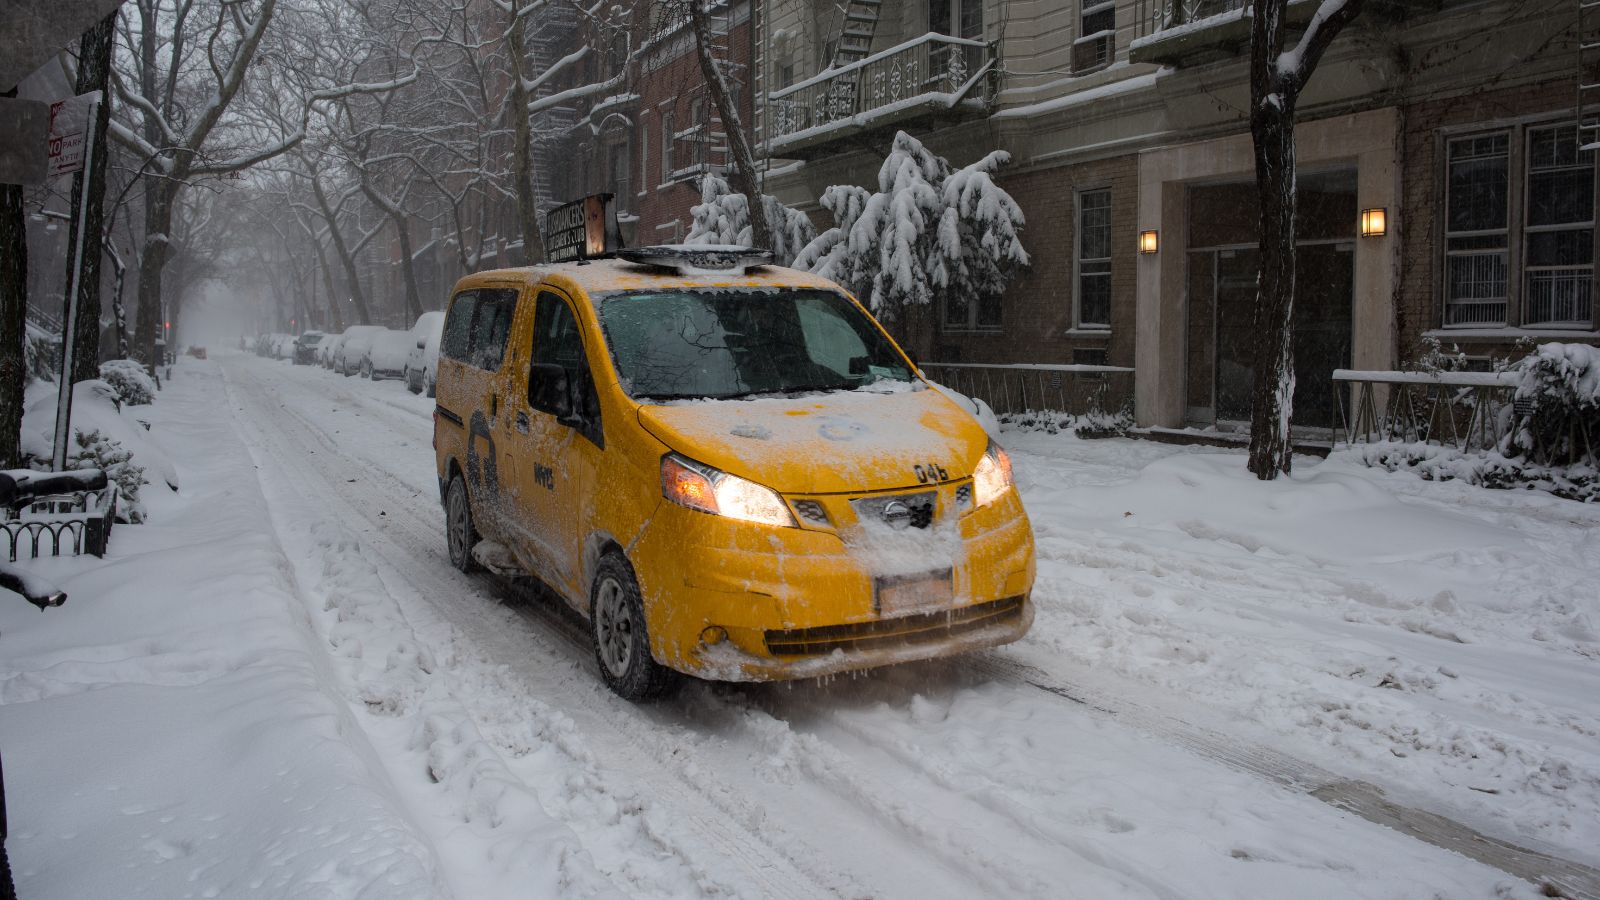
69	127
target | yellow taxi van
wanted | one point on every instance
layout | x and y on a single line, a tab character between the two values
727	467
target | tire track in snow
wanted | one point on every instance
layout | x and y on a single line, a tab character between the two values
410	544
1360	798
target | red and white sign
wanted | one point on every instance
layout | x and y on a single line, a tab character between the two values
69	127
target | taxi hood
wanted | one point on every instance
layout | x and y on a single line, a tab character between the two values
830	443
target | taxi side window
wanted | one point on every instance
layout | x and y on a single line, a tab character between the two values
455	343
829	339
477	325
556	341
491	326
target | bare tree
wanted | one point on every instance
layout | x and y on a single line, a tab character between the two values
745	178
13	318
94	73
1276	79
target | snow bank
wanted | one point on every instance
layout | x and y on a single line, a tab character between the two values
94	408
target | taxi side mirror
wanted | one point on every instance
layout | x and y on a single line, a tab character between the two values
549	391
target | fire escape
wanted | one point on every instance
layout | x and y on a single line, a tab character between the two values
859	27
1588	111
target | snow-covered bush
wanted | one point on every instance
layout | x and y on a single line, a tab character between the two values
96	451
42	353
1557	408
723	217
930	233
1491	469
1093	424
133	385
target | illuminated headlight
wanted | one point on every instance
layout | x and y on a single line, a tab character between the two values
992	478
699	486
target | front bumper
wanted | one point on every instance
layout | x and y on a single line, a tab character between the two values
733	601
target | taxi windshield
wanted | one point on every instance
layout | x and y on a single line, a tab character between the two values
720	343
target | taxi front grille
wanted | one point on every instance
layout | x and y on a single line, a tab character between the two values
923	628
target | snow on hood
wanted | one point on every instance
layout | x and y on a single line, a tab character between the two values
836	442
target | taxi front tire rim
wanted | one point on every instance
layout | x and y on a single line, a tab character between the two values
614	627
460	521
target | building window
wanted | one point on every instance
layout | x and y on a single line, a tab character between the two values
1097	35
1549	279
644	154
1094	260
701	132
972	314
1476	224
667	138
1558	259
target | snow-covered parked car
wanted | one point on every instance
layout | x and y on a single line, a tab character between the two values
352	350
387	356
422	361
327	348
283	347
305	348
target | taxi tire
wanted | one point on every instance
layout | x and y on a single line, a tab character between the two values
459	546
642	678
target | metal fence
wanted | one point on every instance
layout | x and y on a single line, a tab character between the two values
72	524
1464	410
1020	388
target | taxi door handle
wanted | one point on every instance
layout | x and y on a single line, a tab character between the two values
522	422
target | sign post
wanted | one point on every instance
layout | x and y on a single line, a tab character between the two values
71	150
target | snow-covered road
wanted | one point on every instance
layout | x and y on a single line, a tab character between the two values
1221	678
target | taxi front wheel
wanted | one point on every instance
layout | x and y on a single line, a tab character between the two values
621	643
459	531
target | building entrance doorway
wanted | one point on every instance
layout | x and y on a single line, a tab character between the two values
1222	298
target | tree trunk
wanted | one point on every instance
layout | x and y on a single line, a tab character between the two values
13	318
745	179
522	154
1272	397
159	194
335	315
94	73
357	296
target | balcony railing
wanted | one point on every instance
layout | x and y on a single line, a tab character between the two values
933	71
1151	16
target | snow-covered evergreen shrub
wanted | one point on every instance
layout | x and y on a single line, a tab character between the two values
1432	462
41	353
96	451
1092	424
930	233
128	378
723	217
1557	408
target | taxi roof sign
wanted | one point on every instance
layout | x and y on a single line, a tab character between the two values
699	259
582	229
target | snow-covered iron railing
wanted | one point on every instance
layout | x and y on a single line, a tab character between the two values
1465	410
923	67
1029	387
75	524
1151	16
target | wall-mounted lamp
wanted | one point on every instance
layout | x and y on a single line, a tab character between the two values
1374	222
1149	241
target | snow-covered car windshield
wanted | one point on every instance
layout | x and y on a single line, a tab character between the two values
721	343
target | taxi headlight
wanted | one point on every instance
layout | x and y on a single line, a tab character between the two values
699	486
992	478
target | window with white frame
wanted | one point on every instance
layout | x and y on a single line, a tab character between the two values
1096	43
962	313
644	155
620	168
1519	264
1093	266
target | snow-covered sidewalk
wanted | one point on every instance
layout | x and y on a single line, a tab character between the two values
279	688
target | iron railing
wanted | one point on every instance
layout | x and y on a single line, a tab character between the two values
1024	388
1151	16
928	67
1465	410
74	524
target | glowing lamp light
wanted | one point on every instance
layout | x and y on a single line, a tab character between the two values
1149	241
1374	222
